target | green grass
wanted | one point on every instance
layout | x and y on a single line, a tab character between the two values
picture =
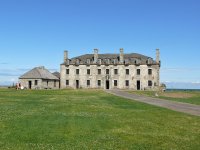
90	119
194	99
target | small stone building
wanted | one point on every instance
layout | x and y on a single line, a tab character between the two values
39	78
111	71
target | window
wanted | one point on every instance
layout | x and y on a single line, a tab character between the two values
127	71
67	71
99	71
99	61
77	61
115	82
88	71
115	61
127	82
149	83
36	82
88	61
54	83
149	71
88	82
67	82
115	71
99	82
138	71
47	83
107	71
107	61
77	71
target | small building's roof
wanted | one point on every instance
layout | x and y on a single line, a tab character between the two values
57	74
39	73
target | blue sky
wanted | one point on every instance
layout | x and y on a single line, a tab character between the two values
36	32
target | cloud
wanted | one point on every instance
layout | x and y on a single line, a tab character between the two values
179	69
182	85
9	74
4	63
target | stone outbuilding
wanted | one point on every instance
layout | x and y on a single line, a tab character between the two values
39	78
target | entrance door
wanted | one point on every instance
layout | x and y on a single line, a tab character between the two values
29	84
107	84
77	84
138	84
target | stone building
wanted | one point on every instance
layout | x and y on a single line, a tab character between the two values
39	78
111	71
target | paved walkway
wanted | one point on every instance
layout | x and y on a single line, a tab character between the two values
177	106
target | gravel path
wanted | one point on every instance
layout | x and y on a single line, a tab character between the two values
177	106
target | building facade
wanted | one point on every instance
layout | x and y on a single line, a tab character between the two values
110	71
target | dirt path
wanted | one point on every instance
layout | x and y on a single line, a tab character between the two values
177	106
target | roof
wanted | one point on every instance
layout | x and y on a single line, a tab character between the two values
132	58
57	74
39	73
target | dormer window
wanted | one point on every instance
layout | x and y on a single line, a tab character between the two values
77	62
99	61
107	61
88	61
149	61
126	62
137	62
115	61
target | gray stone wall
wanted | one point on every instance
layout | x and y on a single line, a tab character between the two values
82	78
41	84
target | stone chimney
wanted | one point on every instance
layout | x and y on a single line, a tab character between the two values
95	55
157	55
65	56
121	57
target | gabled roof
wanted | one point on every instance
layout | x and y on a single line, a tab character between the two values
57	74
38	73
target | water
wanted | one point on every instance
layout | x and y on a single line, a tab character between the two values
182	89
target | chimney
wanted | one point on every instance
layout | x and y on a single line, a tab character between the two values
121	57
157	55
95	55
65	56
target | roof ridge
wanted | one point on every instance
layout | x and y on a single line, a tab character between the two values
37	68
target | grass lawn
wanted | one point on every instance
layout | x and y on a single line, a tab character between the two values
192	97
90	119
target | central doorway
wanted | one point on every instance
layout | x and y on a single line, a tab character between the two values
138	84
107	84
77	84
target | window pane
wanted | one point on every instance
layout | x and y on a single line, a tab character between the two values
149	83
99	71
107	71
88	82
150	71
99	83
115	82
127	82
115	71
77	71
127	71
67	71
88	71
138	71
